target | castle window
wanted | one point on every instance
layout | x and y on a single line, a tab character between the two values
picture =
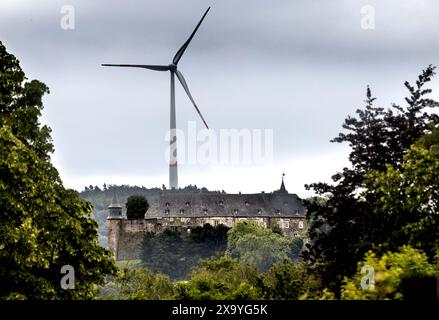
188	203
286	224
181	211
300	224
215	223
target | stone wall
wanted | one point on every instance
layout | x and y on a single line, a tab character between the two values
125	236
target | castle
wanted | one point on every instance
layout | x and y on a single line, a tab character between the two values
188	210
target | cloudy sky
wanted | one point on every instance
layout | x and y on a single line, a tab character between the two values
298	67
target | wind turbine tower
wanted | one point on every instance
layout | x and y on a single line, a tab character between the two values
172	68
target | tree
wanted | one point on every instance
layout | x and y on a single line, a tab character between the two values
406	274
296	246
288	281
208	240
378	138
231	279
220	279
256	245
408	197
43	226
163	253
138	284
174	255
137	206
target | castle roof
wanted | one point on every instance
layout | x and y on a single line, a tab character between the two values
282	186
191	205
114	202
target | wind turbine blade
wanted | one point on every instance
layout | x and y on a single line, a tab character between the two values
180	52
150	67
185	87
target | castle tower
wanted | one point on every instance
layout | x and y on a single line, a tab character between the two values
115	209
282	186
114	225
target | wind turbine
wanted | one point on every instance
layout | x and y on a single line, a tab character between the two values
173	169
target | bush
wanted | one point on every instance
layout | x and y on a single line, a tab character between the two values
171	253
220	279
136	207
256	245
288	281
402	275
138	284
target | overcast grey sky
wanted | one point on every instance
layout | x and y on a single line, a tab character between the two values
297	67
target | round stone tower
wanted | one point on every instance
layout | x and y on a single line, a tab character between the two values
114	225
115	209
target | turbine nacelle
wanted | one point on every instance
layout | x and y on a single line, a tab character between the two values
172	67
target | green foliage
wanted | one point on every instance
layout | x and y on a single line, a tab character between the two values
210	234
288	281
173	254
220	279
21	105
137	206
256	245
43	226
378	138
398	275
408	196
296	245
138	284
163	253
316	223
227	278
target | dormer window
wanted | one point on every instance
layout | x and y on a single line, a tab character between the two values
188	204
278	211
181	211
167	204
235	211
205	211
167	211
259	211
221	203
246	203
